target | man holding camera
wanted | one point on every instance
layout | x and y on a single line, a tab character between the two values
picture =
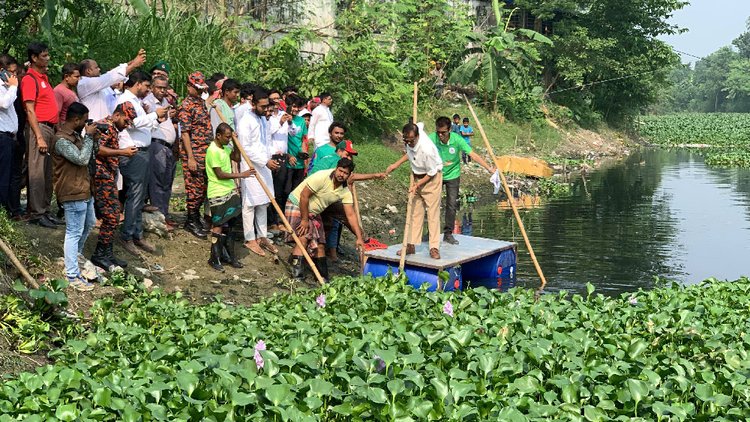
73	186
8	130
106	201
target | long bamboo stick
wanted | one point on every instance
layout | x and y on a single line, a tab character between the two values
407	225
21	269
288	226
507	192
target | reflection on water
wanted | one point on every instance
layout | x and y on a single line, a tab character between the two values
659	213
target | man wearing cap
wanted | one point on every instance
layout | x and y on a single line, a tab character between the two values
196	134
106	201
162	68
135	169
162	152
95	90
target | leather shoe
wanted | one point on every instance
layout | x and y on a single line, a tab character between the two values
434	253
150	208
54	219
44	222
143	244
130	247
448	238
410	250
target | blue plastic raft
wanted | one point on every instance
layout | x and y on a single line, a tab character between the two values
474	262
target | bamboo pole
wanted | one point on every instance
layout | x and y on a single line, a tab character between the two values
361	251
507	192
288	226
14	259
407	224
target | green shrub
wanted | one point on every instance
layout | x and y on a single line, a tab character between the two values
380	350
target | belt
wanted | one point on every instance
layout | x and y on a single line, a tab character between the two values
162	142
142	149
48	124
10	134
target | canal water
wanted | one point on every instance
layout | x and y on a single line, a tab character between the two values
656	214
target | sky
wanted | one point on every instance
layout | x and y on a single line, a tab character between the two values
712	24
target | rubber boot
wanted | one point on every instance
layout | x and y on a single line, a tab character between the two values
298	268
227	250
111	254
100	258
216	249
194	226
322	264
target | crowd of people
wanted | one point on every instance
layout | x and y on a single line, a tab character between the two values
107	145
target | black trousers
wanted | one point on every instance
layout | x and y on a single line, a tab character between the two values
279	185
7	147
451	203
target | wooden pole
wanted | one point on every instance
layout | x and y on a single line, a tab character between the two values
14	259
278	209
507	192
407	225
361	252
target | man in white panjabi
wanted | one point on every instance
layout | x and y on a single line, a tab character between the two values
320	120
255	139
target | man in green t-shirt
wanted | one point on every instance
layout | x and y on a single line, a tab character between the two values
450	145
305	206
326	156
223	198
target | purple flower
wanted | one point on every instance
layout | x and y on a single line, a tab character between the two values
321	301
448	308
259	346
379	363
633	300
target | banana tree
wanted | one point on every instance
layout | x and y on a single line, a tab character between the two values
505	59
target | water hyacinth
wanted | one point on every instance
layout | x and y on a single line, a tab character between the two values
448	308
321	301
633	300
259	346
379	363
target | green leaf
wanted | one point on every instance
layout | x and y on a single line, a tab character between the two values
464	74
242	399
320	387
489	73
636	348
187	381
377	395
279	393
638	389
441	388
67	412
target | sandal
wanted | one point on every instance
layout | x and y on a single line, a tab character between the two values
254	247
267	245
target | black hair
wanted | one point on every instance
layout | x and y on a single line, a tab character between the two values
84	66
466	119
443	121
410	128
118	109
294	100
247	89
160	78
289	89
334	125
346	163
35	49
456	116
76	110
274	91
68	69
323	96
259	94
229	85
223	128
137	76
6	60
211	82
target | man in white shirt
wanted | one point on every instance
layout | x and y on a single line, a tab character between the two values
162	154
94	89
255	140
427	186
279	122
320	120
246	101
135	170
8	128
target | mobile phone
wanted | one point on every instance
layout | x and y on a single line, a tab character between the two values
4	75
89	121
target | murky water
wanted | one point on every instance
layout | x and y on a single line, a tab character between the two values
658	213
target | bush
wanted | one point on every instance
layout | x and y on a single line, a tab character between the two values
369	349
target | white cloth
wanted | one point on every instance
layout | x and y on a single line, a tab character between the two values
164	130
139	134
8	116
96	94
255	222
240	110
319	123
279	133
495	180
255	139
424	158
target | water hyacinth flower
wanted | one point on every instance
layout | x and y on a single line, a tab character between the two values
379	363
259	346
448	308
321	301
633	300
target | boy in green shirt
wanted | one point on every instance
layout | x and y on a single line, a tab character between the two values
223	198
451	145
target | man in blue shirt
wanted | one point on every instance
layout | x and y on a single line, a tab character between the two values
467	132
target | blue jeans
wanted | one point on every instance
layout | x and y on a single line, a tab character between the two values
333	235
79	219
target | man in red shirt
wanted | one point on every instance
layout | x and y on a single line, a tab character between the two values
42	116
64	94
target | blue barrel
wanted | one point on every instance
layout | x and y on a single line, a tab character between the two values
496	271
417	276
